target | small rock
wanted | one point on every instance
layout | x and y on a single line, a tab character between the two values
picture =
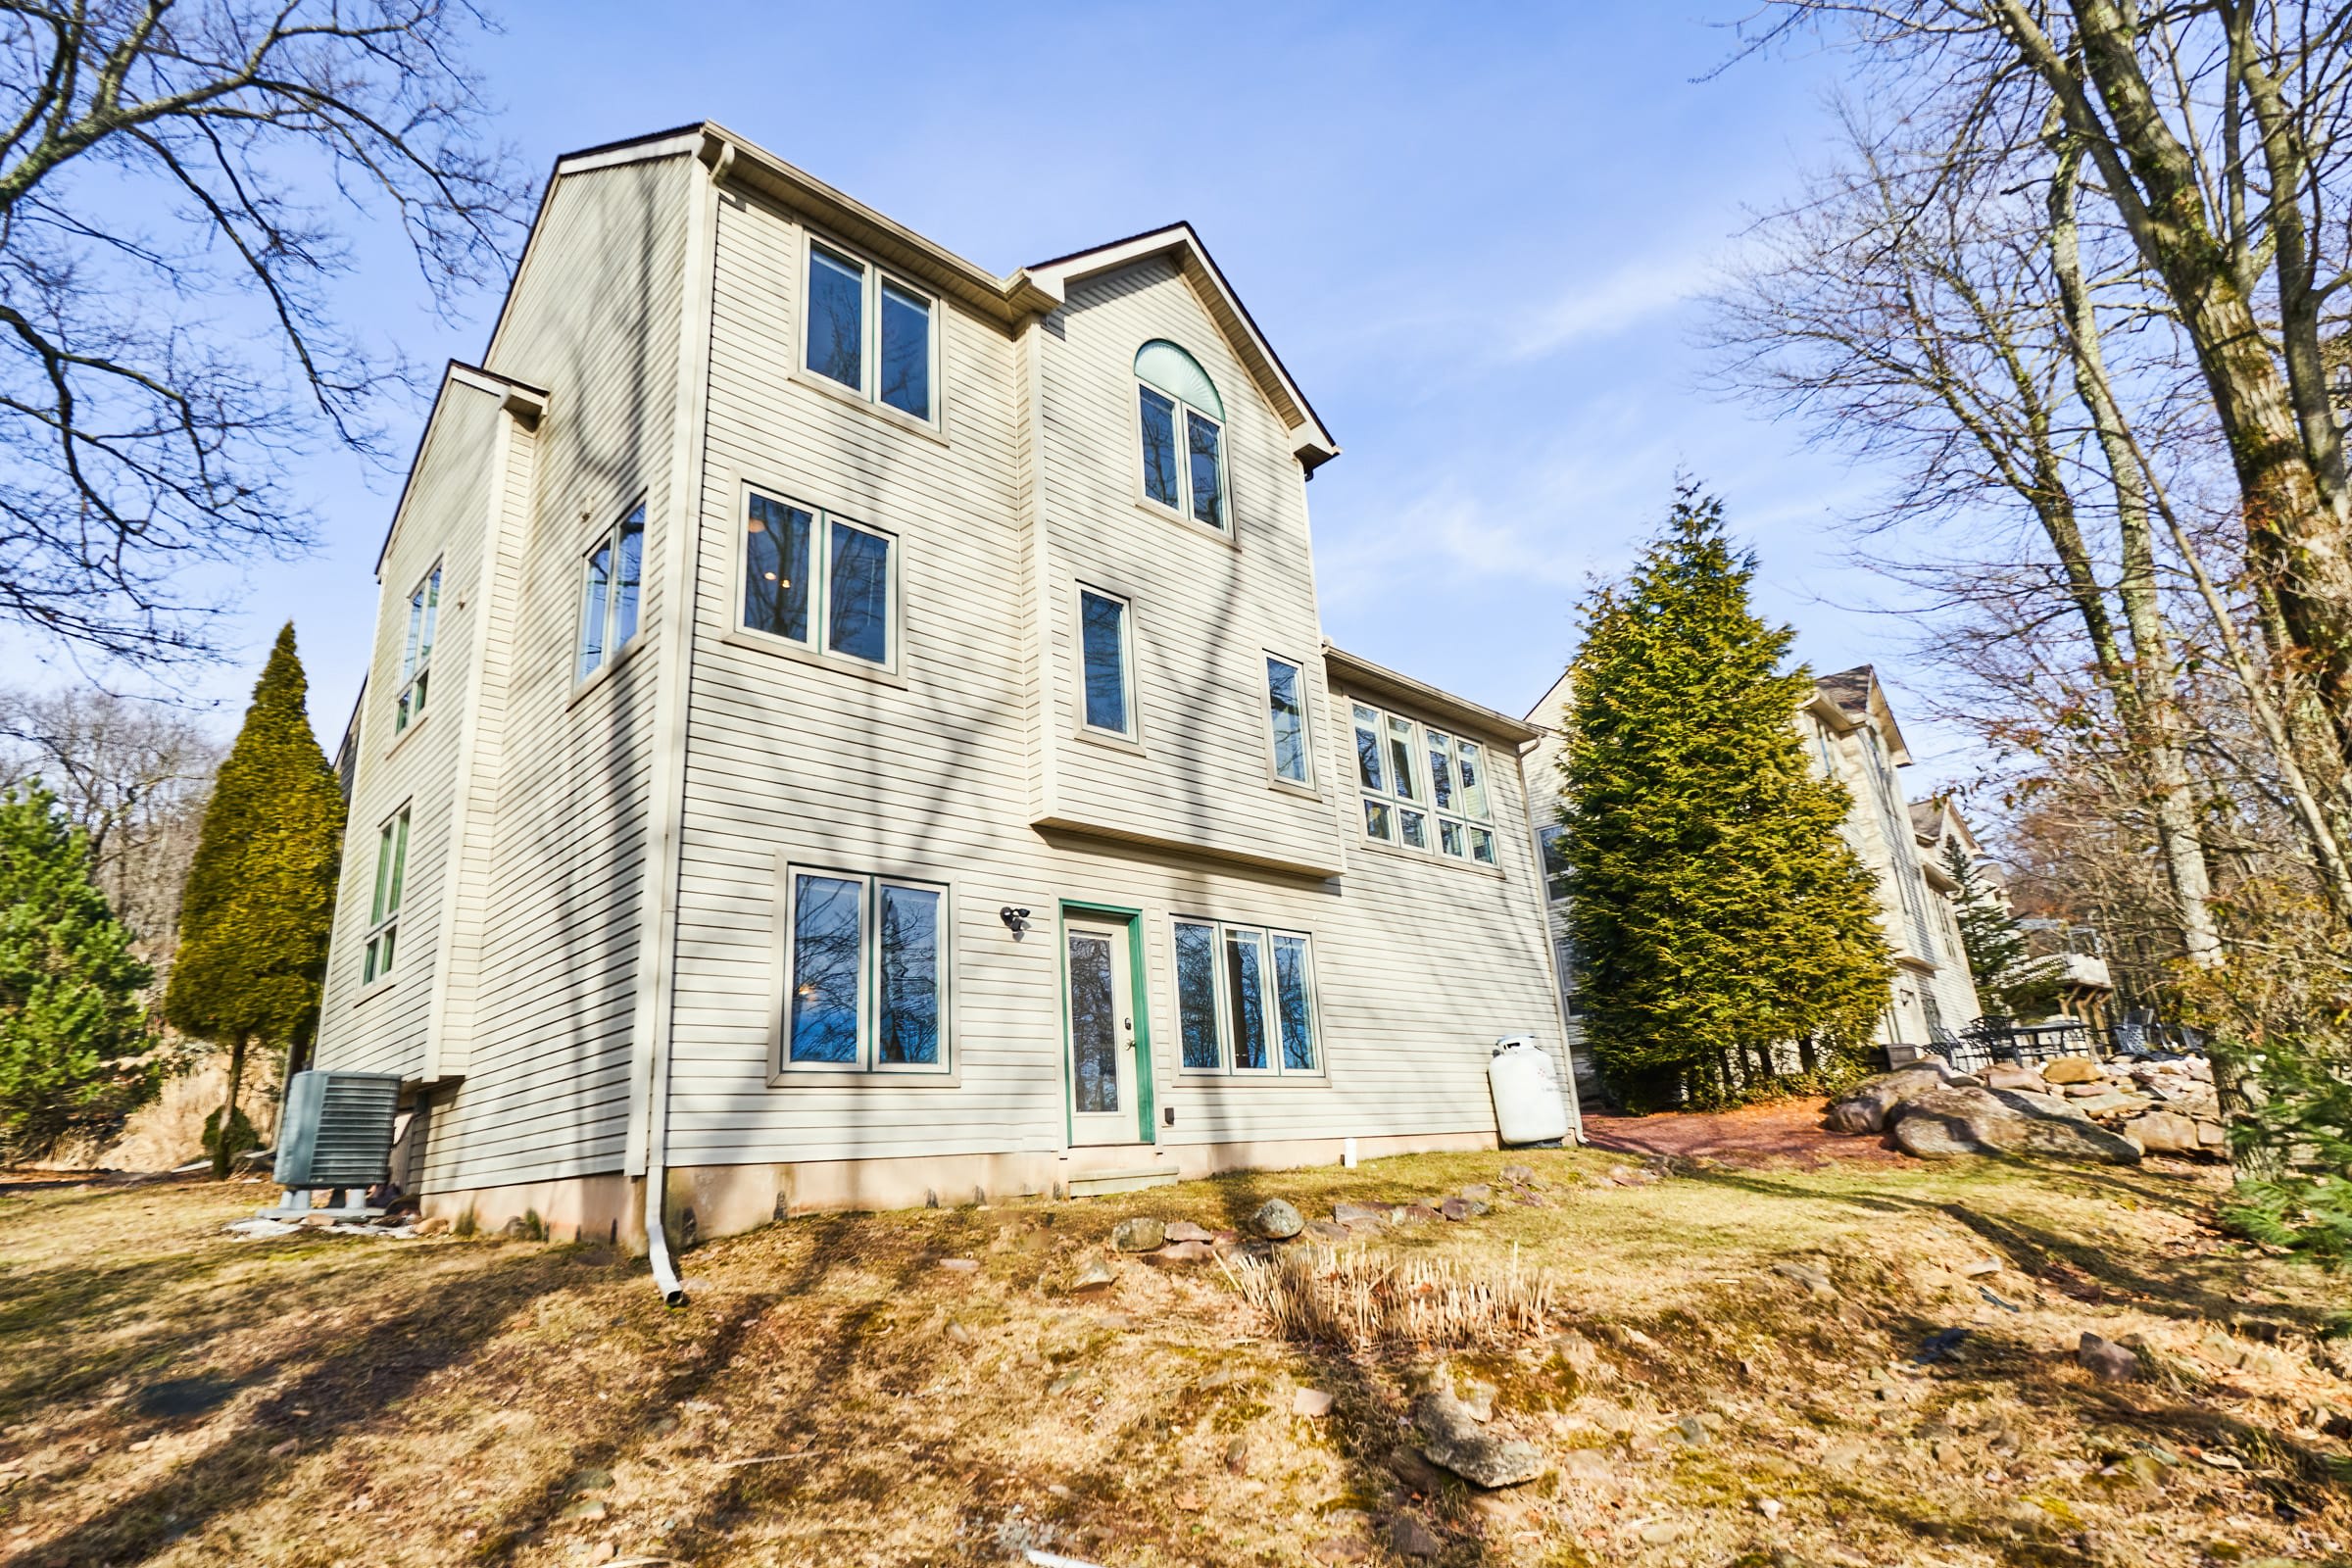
2142	1470
589	1508
1137	1232
959	1265
2070	1070
2005	1077
1184	1230
1660	1533
1452	1441
1693	1430
1518	1175
1415	1473
1183	1253
1323	1230
431	1227
1980	1268
1237	1456
281	1449
1311	1403
2106	1359
1340	1549
1418	1211
1277	1220
1411	1538
1370	1216
1628	1176
1812	1279
1063	1383
1455	1209
589	1481
960	1333
1585	1464
1769	1507
1094	1277
1478	1192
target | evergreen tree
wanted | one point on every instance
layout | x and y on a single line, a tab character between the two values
1989	933
261	892
1728	934
71	1030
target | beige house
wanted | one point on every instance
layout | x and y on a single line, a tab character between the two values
850	729
1852	736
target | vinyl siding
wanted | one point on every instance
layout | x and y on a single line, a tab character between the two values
594	321
1419	965
382	1028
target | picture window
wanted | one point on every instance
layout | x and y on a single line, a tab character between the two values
1245	999
866	956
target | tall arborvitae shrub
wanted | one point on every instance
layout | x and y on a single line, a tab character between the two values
1727	936
72	1034
261	892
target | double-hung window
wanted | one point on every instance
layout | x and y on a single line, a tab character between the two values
1422	788
383	916
1181	422
1286	717
819	581
867	960
417	654
1106	659
1245	999
870	332
609	587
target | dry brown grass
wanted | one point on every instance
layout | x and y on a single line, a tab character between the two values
172	1398
1351	1296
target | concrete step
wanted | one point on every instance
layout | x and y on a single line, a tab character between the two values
1094	1184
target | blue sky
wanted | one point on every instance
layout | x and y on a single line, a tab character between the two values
1474	233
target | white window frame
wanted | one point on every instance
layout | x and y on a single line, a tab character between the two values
781	1067
613	651
1442	828
874	276
1223	527
1306	726
415	668
1275	1068
820	588
384	924
1133	734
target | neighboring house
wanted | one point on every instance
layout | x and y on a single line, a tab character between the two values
1852	736
848	730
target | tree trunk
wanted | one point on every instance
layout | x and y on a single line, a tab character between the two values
2148	696
225	1149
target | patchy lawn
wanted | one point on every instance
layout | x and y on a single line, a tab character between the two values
834	1395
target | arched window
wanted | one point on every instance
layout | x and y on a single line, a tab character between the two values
1174	394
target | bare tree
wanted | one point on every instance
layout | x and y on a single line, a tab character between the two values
1920	306
2214	136
134	776
175	178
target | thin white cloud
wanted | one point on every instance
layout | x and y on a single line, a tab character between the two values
1588	309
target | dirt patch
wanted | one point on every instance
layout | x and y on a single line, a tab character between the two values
833	1394
1784	1132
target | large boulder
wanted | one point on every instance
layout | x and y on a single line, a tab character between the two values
1868	1106
1953	1120
2164	1132
2071	1070
1277	1220
1943	1123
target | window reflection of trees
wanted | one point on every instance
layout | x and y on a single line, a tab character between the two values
1209	502
775	586
1245	974
824	970
1290	997
905	353
1105	662
836	328
909	969
1093	1044
858	594
1158	416
1197	995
